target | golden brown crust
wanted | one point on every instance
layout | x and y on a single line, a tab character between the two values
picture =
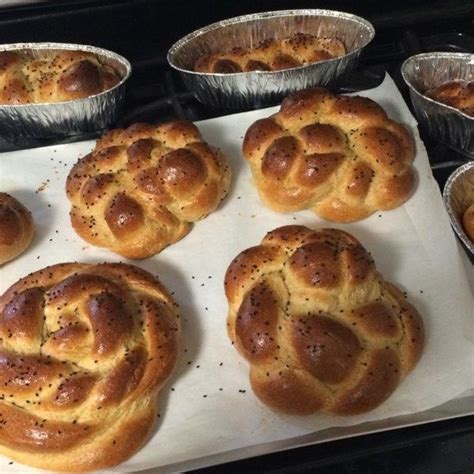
141	188
16	228
468	221
319	326
340	156
66	75
458	94
273	55
84	351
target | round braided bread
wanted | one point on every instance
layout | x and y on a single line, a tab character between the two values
142	187
84	351
319	326
340	156
16	228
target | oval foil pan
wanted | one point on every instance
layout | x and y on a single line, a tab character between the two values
458	194
441	121
256	88
64	119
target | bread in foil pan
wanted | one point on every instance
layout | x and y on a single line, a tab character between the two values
458	195
257	88
443	122
69	118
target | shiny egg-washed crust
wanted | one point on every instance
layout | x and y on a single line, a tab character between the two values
16	228
84	351
457	94
142	187
273	55
319	326
66	75
339	156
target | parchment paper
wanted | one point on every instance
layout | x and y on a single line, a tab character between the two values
208	407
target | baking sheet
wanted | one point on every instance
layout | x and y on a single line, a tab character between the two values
208	407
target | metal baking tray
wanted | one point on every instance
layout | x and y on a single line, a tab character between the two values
452	410
256	88
448	124
62	119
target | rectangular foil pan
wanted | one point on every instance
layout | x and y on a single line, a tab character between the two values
257	88
64	119
445	123
458	195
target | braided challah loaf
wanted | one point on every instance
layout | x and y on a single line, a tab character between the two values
84	351
141	188
16	228
273	55
319	326
340	156
66	75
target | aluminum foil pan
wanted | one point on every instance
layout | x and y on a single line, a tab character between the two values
458	195
73	117
253	89
446	123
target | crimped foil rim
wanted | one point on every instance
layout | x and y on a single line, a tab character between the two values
259	16
428	56
71	47
455	221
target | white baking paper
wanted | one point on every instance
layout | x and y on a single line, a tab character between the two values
208	406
